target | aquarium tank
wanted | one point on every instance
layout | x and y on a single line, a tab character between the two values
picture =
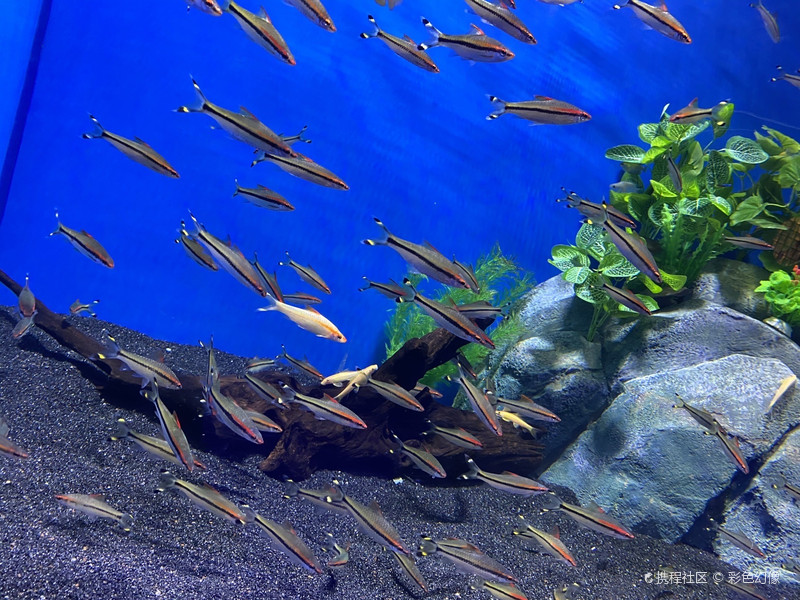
400	298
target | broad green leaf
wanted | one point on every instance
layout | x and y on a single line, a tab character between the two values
648	301
652	154
695	129
765	223
691	187
576	274
625	153
661	190
693	163
650	284
791	146
747	210
661	141
616	265
588	235
693	207
638	205
566	257
676	282
590	290
647	131
768	145
718	171
722	204
789	175
662	215
723	120
745	150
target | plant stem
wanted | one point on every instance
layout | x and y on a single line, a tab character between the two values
599	317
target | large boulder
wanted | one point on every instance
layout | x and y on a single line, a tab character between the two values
653	464
732	283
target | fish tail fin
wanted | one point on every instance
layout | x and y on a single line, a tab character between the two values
125	522
385	230
58	225
435	33
679	403
199	104
261	156
121	431
166	481
500	108
473	468
553	502
97	132
224	5
292	489
236	192
272	304
298	137
427	546
335	494
618	6
110	345
375	29
249	514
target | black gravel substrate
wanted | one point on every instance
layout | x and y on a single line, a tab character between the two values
176	550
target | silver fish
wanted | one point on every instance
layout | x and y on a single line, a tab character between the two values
283	538
270	281
303	167
370	521
85	244
329	409
475	46
406	562
792	78
341	554
263	422
501	17
8	447
624	187
480	403
205	497
456	436
503	591
423	459
659	19
740	540
301	298
155	446
594	211
26	300
23	326
260	29
394	393
307	274
148	369
391	290
627	298
263	197
207	6
136	149
541	110
79	307
770	22
705	418
631	247
549	542
748	242
314	11
674	174
171	429
96	506
230	414
527	408
592	517
694	114
195	249
730	446
303	364
404	47
505	481
467	558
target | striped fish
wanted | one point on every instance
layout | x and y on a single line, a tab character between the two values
301	298
630	246
695	114
394	393
270	281
230	414
341	554
549	542
256	365
263	197
79	307
740	540
592	517
505	481
770	22
480	309
8	447
474	46
423	258
594	211
96	506
85	244
788	77
148	369
780	483
743	590
283	538
230	258
409	567
307	274
370	521
730	445
425	461
449	319
503	591
314	11
467	558
674	174
323	498
207	6
195	249
303	364
658	18
501	17
306	318
480	404
404	47
627	298
705	418
469	275
265	390
263	422
23	326
303	167
155	446
391	290
26	300
205	496
526	407
541	110
748	242
260	29
171	429
456	436
136	149
244	126
328	409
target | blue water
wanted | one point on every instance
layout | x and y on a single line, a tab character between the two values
414	147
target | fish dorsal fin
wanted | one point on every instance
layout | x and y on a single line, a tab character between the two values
286	524
693	103
475	30
452	302
374	506
139	140
555	532
246	113
86	233
538	97
663	6
263	187
431	246
98	496
330	399
594	507
312	309
408	39
158	355
263	14
509	472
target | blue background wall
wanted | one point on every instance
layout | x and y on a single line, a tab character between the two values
414	146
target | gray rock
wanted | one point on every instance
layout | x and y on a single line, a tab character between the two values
768	515
731	283
652	464
552	306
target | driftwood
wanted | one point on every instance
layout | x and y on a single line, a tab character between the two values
308	445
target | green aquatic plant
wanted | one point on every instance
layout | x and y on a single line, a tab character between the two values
782	293
502	282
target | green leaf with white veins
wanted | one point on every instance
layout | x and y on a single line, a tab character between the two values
616	265
590	290
625	153
567	257
576	274
745	150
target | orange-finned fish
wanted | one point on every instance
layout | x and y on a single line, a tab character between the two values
154	445
301	298
148	369
207	6
527	408
480	309
456	436
404	47
740	540
731	447
79	307
8	447
480	404
694	114
370	521
319	498
503	591
341	554
328	409
592	517
627	298
658	18
743	590
409	567
230	258
205	497
96	506
307	274
505	481
270	281
244	126
394	393
195	249
85	244
423	459
550	542
304	168
306	318
26	300
792	78
263	422
230	414
474	46
501	17
674	174
467	558
260	29
391	290
266	390
423	258
23	326
170	428
705	418
136	149
303	364
314	11
770	22
283	538
594	211
541	110
263	197
469	275
748	242
630	246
